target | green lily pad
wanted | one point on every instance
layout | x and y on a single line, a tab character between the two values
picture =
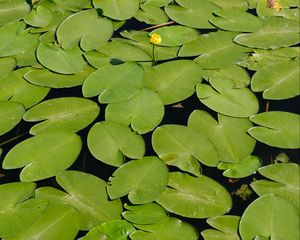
11	114
151	14
232	4
228	134
169	228
173	81
110	142
216	50
143	180
143	112
74	30
270	216
13	10
157	3
58	60
7	64
194	197
86	193
43	156
39	17
277	32
149	213
118	9
114	83
184	148
69	114
284	181
97	59
277	129
13	87
278	81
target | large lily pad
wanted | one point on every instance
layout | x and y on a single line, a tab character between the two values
277	129
87	194
110	142
13	10
143	112
151	14
143	180
194	197
43	156
7	64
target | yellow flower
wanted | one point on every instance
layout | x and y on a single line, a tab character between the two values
274	4
155	38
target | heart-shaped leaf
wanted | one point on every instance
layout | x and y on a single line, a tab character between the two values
74	30
143	180
69	114
114	83
270	216
143	112
194	197
44	156
86	193
173	81
110	142
39	17
278	129
285	181
278	81
13	10
182	147
11	114
229	134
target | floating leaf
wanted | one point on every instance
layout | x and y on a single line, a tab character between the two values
16	212
277	129
118	9
149	213
46	78
278	81
169	228
110	142
97	59
194	197
58	222
285	182
7	64
172	36
74	29
228	134
192	13
173	81
14	88
39	17
69	114
11	114
86	193
232	4
43	156
143	180
235	102
170	144
151	14
13	10
157	3
245	168
58	60
143	112
270	216
226	225
277	32
216	50
236	20
114	83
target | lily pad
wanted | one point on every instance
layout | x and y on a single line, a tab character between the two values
233	4
7	64
228	134
143	180
110	142
143	112
270	216
151	14
13	10
11	114
39	17
194	197
74	30
278	81
173	81
277	129
68	114
170	144
43	156
87	194
114	83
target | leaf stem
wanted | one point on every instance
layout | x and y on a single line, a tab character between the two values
158	26
12	139
267	106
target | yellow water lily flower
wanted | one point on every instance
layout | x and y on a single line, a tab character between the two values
155	38
275	4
